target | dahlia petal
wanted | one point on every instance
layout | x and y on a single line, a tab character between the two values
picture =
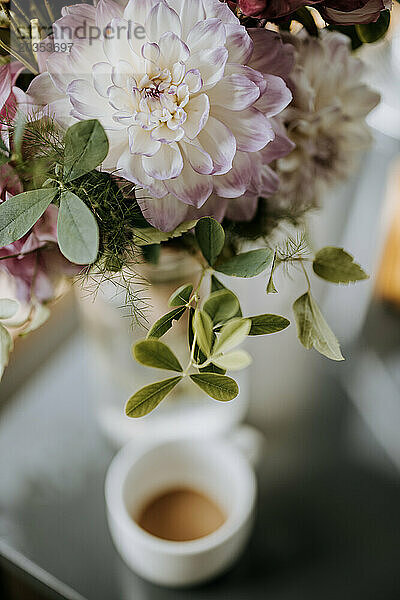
81	95
220	10
206	34
211	64
102	78
165	164
190	187
120	49
121	75
270	54
118	144
193	81
130	167
190	13
234	92
106	10
234	183
42	90
172	48
252	131
242	209
280	146
136	11
239	43
151	51
60	71
164	134
197	111
265	181
161	19
276	97
198	158
165	213
219	142
141	142
81	12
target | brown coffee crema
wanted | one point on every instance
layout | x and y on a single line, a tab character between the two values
180	515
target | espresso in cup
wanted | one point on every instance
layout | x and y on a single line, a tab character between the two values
180	515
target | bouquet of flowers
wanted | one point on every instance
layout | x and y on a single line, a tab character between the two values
128	127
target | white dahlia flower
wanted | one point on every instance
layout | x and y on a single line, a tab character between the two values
187	118
326	119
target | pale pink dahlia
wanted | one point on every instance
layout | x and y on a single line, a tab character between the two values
188	118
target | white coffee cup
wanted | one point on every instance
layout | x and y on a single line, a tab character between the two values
218	468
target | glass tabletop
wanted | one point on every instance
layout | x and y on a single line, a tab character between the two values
327	523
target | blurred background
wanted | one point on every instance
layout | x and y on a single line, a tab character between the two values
328	521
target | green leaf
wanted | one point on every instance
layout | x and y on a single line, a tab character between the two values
19	213
271	289
337	266
153	353
312	329
203	328
211	368
149	397
19	130
219	387
221	306
151	253
233	361
165	322
264	324
248	264
181	295
232	334
216	284
8	308
143	236
77	230
372	32
86	146
6	346
210	236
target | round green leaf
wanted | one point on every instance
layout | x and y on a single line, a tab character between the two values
233	361
149	397
264	324
372	32
77	230
312	329
164	323
153	353
232	334
221	305
181	295
219	387
210	236
19	213
203	328
248	264
86	146
8	308
337	266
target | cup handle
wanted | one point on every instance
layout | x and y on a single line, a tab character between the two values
250	442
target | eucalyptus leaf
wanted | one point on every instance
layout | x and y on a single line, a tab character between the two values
164	323
217	386
19	213
337	266
181	296
6	346
233	361
248	264
149	397
372	32
203	327
156	354
232	334
210	236
77	230
221	306
265	324
8	308
312	329
86	146
143	236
